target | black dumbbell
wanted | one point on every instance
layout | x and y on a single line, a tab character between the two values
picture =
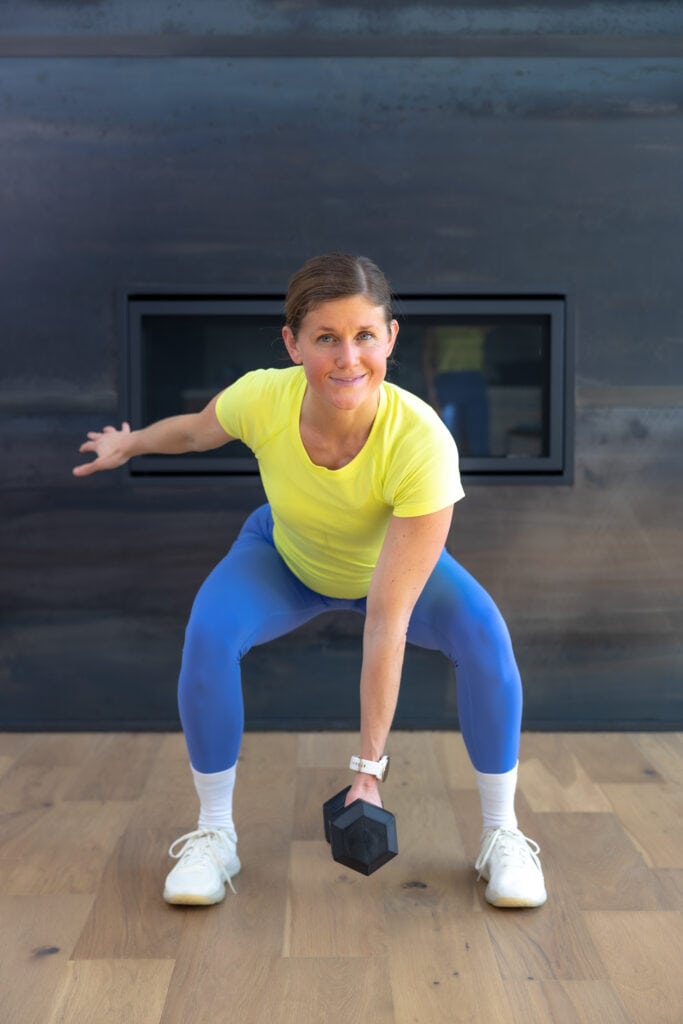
362	836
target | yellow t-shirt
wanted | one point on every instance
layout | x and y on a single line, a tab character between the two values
329	525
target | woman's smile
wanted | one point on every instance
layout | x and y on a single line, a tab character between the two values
346	381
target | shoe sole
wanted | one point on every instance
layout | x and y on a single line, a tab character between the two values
512	901
515	901
189	899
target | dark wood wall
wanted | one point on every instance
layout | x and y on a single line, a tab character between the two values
468	148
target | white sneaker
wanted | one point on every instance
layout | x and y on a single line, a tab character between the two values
509	862
206	861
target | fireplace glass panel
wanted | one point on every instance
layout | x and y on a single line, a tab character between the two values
494	370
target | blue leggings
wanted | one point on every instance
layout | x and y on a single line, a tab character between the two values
251	597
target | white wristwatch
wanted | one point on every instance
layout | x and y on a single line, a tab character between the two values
380	769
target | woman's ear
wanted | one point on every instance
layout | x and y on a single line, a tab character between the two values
393	331
291	345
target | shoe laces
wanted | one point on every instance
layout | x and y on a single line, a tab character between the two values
204	846
512	846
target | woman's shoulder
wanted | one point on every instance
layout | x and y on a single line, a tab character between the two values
258	401
271	379
420	461
412	426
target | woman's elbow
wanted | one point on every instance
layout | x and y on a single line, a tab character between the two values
387	624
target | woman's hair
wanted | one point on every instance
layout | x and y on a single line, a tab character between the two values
337	275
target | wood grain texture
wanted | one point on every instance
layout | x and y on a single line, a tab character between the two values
554	779
86	935
71	844
116	991
101	776
653	818
443	968
643	953
324	907
663	752
37	939
127	920
564	1002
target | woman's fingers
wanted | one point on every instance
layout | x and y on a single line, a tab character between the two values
85	469
107	450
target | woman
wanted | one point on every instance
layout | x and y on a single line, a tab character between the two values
361	477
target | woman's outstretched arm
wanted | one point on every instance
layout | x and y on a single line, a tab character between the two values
193	432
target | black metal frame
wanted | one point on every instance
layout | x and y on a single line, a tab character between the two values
554	467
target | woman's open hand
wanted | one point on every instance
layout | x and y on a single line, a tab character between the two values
111	448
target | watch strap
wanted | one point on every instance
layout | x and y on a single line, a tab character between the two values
376	768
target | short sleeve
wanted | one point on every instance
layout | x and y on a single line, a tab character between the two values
430	481
422	470
234	401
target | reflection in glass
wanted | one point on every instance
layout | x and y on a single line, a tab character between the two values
487	378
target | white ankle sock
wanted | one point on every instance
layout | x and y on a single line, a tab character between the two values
497	794
215	791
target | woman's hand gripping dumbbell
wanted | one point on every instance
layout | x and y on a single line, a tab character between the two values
362	835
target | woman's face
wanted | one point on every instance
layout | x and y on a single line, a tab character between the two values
343	346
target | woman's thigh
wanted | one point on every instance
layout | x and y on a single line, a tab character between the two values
454	611
251	596
455	615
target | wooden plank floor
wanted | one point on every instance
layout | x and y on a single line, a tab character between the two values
86	938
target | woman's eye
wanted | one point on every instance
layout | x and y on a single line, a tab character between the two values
366	336
326	338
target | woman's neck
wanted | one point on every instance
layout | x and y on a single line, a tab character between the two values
333	437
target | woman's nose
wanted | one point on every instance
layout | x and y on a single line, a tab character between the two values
346	352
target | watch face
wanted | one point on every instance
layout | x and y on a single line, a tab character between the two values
387	762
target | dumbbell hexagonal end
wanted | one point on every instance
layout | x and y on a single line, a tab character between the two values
363	837
332	807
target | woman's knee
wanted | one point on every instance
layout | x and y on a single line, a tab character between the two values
484	624
478	637
215	631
